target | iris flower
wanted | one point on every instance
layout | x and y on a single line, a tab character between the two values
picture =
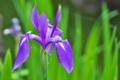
49	37
15	29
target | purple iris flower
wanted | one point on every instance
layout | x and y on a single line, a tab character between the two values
15	29
49	37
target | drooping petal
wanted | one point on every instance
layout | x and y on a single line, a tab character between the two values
43	25
23	51
65	55
35	37
57	20
35	16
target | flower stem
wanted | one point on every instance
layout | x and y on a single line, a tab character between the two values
45	65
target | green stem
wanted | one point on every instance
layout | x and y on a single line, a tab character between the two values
45	65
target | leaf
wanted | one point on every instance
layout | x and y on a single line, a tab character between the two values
114	62
77	47
19	11
16	74
90	73
7	67
64	21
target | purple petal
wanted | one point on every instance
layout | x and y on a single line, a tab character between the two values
43	25
57	31
51	47
35	16
57	20
23	51
65	56
54	39
35	37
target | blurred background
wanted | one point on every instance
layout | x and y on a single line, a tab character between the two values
84	30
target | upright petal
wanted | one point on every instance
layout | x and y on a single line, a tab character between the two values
35	16
57	20
23	51
57	31
43	25
65	56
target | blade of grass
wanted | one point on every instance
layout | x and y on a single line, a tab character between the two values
53	66
111	45
23	72
7	67
113	14
99	49
19	11
106	39
34	62
106	33
77	47
90	73
28	22
92	43
64	21
22	5
114	62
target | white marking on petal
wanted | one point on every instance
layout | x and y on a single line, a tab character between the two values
23	41
62	46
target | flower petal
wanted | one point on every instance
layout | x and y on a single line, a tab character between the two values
51	47
23	51
57	31
57	20
35	16
43	25
65	56
35	37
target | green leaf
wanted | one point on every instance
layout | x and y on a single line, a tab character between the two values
77	47
90	53
19	11
23	72
7	67
106	32
114	62
22	4
106	39
108	42
113	14
90	72
53	67
64	21
92	43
